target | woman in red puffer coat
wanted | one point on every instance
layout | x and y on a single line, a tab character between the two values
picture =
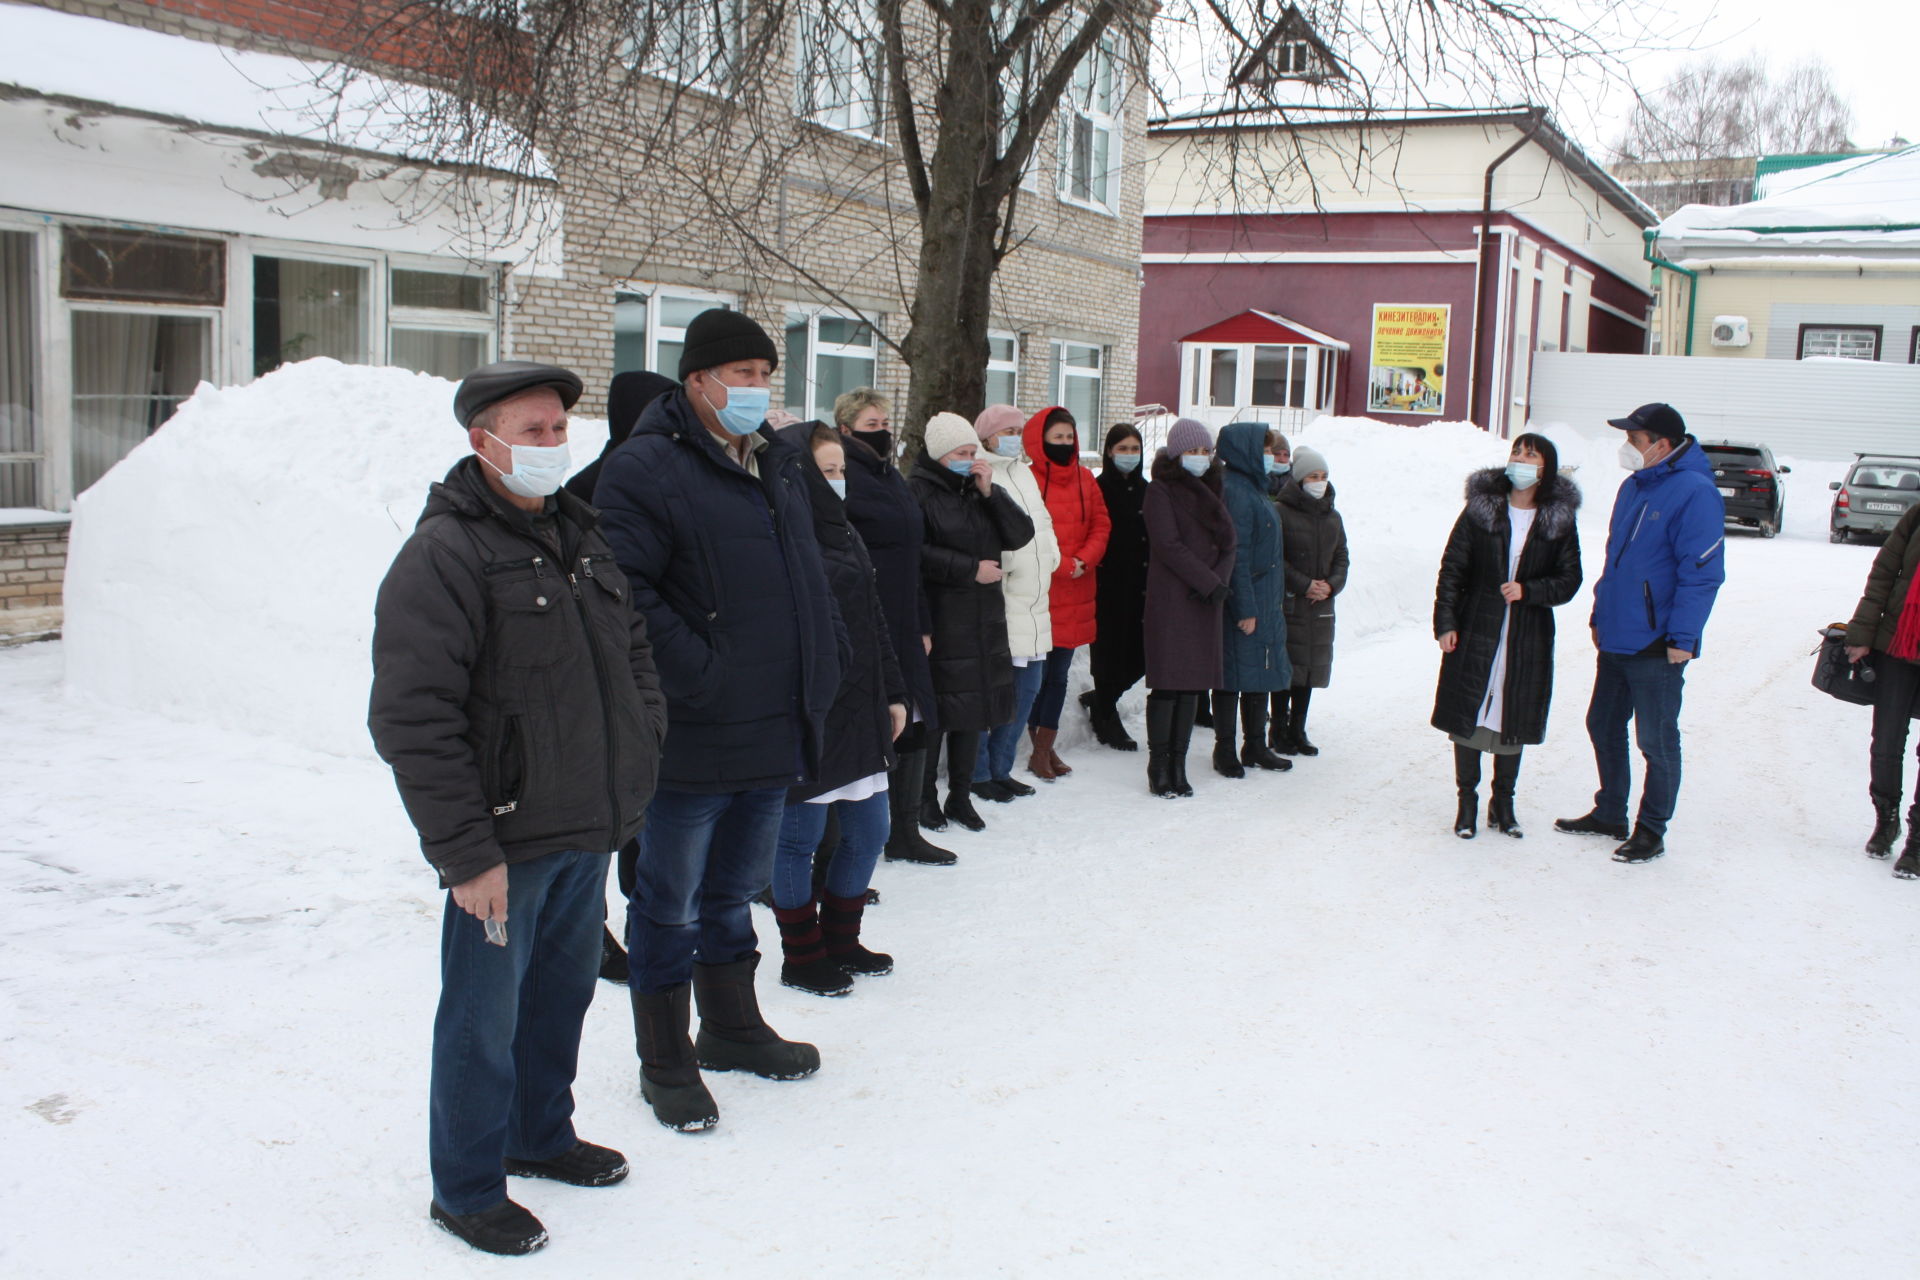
1080	525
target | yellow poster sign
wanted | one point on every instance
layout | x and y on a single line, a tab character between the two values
1409	366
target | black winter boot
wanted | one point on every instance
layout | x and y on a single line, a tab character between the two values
960	809
733	1036
930	817
1908	867
1160	709
1506	774
1226	730
669	1077
1103	711
904	842
1466	781
1203	712
613	957
840	928
804	964
1185	713
1254	752
1886	826
506	1228
1297	721
1279	730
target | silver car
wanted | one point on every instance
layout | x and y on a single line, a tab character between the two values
1875	494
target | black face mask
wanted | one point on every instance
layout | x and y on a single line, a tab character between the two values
881	442
1060	454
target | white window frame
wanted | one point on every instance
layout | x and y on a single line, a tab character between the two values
1078	104
1875	334
1064	371
1579	310
658	332
373	345
1320	377
813	315
853	61
485	324
1296	58
704	25
1015	81
1009	367
1553	302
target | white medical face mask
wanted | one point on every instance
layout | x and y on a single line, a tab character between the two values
1196	464
839	488
1524	475
1314	488
538	470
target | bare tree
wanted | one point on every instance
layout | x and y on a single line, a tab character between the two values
914	123
1720	108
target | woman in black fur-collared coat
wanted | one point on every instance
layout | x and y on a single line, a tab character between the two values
1513	556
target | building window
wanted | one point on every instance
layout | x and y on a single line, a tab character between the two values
131	370
841	70
1090	131
114	264
1280	377
691	42
1579	311
1003	367
1078	374
828	354
442	322
1553	301
20	449
1844	341
303	309
650	326
1293	58
1913	347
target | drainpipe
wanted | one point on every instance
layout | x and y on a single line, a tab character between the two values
1477	378
1648	237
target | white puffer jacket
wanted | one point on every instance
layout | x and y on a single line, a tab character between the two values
1029	571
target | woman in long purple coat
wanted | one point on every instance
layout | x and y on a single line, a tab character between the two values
1191	542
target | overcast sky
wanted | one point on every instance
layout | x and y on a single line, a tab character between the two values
1869	44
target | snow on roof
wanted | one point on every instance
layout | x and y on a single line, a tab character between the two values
1862	200
64	55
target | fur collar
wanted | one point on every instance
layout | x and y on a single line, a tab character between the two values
1553	514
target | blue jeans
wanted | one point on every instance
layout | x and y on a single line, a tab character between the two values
506	1040
863	833
999	746
702	859
1645	688
1053	690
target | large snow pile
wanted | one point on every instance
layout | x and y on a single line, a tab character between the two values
225	571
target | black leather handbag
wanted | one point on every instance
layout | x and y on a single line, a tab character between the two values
1835	676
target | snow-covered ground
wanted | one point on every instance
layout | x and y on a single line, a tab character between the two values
1291	1027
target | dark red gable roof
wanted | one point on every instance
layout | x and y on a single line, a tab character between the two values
1255	326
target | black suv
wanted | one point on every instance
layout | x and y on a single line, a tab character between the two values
1749	481
1876	493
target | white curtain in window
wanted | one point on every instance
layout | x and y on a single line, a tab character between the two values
19	402
320	311
130	371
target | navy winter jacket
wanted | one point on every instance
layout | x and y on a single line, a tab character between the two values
727	570
1665	558
1258	585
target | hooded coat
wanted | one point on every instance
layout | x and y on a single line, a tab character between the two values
627	397
1314	541
727	570
972	665
859	738
1877	617
514	690
1119	654
1029	567
882	510
1664	556
1467	599
1187	576
1257	587
1080	529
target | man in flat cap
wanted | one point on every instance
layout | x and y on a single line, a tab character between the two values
711	518
514	695
1664	566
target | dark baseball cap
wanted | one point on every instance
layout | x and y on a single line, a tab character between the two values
1655	419
504	379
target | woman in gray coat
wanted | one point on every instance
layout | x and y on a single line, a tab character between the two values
1315	544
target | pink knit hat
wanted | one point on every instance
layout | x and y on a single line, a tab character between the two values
996	418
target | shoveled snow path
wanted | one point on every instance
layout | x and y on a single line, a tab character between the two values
1290	1027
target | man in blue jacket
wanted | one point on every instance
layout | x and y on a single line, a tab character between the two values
710	519
1664	566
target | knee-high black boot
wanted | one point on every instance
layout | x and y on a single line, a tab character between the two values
904	788
1302	697
930	815
1506	772
1226	731
1280	724
962	749
1466	780
1254	752
1184	712
1160	709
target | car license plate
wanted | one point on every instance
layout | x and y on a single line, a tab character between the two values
1877	506
1726	492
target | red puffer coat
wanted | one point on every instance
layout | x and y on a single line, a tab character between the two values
1080	525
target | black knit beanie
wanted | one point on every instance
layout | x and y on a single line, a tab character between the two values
718	336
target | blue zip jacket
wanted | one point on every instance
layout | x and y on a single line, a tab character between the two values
1665	556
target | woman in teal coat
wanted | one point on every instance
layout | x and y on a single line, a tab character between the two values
1255	624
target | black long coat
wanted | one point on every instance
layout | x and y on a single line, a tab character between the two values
1467	600
882	509
1118	657
859	738
1315	544
1193	545
972	663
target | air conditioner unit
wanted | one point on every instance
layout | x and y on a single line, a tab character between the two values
1731	331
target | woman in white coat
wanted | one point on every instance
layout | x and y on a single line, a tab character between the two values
1029	578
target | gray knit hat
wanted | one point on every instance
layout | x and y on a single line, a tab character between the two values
1306	461
1187	434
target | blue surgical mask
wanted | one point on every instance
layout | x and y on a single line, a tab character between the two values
1278	468
960	466
1127	461
1007	446
839	488
746	409
1273	468
1197	464
537	470
1523	474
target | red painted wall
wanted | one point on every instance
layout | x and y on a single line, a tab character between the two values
393	32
